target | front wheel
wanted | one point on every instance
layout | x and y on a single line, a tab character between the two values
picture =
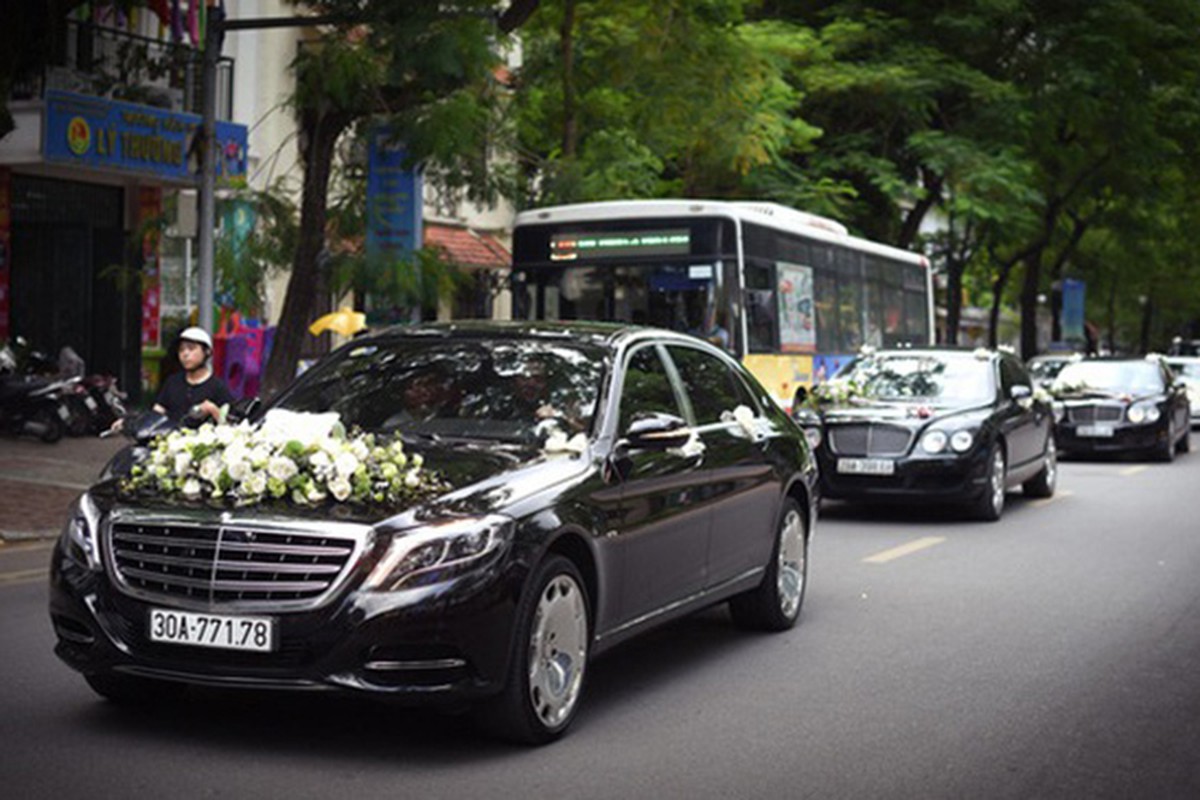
551	646
1185	443
775	604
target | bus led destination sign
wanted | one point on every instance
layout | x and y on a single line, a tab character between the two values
614	244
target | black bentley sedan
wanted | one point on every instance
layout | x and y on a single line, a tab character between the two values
1123	405
932	425
590	481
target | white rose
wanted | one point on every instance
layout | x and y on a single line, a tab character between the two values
206	435
182	462
226	434
314	494
418	460
191	489
411	479
254	484
340	488
360	450
259	456
238	470
345	465
176	443
281	468
210	468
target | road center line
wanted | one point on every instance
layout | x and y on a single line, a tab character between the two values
1133	470
909	548
1045	501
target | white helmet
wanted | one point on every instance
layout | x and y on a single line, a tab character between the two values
197	335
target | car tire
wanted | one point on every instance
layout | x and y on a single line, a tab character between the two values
989	506
1165	452
1044	483
134	692
1185	442
551	645
775	604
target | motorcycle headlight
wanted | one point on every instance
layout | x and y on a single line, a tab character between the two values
1143	412
80	537
440	552
961	441
934	441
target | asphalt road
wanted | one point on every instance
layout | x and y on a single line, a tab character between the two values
1053	654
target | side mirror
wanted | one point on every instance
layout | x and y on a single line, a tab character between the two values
1020	392
657	432
246	408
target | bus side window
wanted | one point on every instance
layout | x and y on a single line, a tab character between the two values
760	305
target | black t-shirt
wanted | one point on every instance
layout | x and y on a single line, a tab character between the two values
178	396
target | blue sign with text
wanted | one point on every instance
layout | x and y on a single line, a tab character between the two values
131	138
393	200
1073	292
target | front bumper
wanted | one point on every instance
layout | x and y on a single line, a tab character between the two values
1126	438
917	478
443	644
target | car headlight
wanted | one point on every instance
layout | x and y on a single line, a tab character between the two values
1143	412
439	552
81	540
813	437
961	441
934	441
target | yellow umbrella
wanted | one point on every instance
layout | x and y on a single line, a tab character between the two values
345	321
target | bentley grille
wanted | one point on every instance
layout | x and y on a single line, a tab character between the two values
869	440
1096	413
227	563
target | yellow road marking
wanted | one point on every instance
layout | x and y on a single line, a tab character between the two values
1060	494
1133	470
914	546
24	575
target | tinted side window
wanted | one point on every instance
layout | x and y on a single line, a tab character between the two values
647	388
710	384
1012	374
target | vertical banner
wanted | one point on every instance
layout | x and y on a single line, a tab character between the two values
5	248
393	201
795	294
149	208
1073	292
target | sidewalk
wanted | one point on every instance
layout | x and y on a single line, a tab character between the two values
39	481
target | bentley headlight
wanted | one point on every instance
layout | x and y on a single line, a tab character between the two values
81	536
961	441
1143	412
934	441
813	437
439	552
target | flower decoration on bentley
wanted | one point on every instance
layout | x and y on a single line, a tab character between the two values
308	459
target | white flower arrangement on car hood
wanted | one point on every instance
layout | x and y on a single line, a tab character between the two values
306	458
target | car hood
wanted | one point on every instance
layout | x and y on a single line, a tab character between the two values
903	413
480	479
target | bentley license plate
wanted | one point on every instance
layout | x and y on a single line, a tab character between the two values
1097	431
212	630
866	466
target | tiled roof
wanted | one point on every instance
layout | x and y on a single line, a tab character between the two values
467	247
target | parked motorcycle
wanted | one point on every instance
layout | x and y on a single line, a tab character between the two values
32	405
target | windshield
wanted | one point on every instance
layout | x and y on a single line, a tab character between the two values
949	379
1047	369
1112	377
1186	369
507	389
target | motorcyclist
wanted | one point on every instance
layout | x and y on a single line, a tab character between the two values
195	392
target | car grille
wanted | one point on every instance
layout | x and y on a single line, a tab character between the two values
227	564
1096	413
869	440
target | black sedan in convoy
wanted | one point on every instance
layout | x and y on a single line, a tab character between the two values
932	424
1122	405
596	481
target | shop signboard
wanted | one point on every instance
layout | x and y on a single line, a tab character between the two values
129	138
394	202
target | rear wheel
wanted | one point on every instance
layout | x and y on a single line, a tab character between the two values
1165	452
52	425
1043	484
990	503
1185	442
551	646
775	604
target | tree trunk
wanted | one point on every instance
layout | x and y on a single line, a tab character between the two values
570	131
954	281
321	132
1147	317
1029	304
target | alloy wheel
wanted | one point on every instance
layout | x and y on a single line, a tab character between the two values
792	568
997	481
558	651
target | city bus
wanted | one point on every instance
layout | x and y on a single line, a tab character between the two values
791	294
